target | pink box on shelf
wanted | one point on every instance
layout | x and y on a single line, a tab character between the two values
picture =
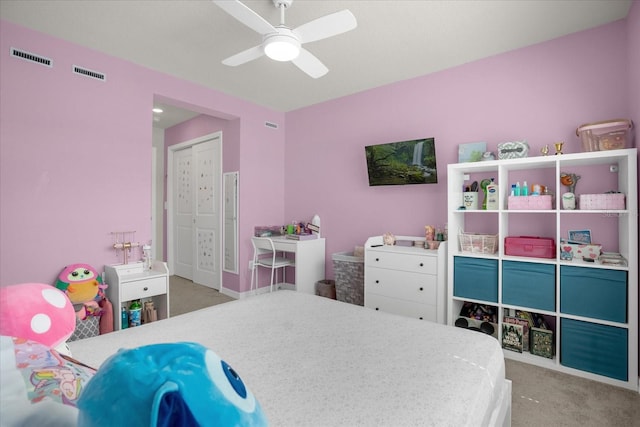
530	246
529	202
601	201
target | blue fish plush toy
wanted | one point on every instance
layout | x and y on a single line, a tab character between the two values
173	384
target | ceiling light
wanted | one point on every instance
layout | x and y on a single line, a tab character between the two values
157	110
283	46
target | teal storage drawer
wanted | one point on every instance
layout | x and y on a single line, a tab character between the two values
529	284
600	349
593	292
475	278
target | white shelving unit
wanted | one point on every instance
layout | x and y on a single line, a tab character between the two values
406	280
595	341
128	282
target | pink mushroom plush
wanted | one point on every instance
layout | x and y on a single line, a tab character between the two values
38	312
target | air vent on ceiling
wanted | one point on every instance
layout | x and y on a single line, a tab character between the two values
31	57
271	125
89	73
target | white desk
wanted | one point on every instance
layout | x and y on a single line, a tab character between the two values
310	258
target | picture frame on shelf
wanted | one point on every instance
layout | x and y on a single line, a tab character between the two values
580	236
471	152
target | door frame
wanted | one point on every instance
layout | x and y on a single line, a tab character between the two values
171	150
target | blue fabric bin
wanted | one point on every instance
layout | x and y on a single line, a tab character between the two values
591	347
593	292
529	284
475	278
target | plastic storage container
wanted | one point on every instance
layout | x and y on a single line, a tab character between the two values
606	135
530	246
349	273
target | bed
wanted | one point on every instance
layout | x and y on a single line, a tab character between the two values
310	360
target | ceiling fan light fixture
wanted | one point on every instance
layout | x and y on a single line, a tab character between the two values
282	47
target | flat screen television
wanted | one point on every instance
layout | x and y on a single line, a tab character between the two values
403	162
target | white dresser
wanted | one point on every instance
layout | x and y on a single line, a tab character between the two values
406	280
128	282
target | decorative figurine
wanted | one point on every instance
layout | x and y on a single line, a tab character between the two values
545	150
569	180
429	233
558	146
388	239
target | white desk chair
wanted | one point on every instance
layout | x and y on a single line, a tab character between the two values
264	255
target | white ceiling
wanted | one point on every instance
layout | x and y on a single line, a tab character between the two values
395	39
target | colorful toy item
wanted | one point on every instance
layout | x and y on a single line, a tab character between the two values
83	285
37	312
168	384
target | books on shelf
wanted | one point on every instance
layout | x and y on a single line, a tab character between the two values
512	337
302	236
542	342
525	329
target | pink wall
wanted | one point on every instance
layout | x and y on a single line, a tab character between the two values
75	159
541	94
67	141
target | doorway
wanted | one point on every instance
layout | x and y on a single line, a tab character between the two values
194	220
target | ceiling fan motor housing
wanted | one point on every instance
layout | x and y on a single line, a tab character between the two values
281	46
283	3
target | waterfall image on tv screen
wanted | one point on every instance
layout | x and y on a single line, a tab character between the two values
404	162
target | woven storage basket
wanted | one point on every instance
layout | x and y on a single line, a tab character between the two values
478	243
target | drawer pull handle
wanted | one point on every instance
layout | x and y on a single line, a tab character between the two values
377	309
420	318
377	259
421	264
377	281
421	288
145	289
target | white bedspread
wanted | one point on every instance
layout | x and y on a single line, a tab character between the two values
312	361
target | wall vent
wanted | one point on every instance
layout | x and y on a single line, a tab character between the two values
89	73
31	57
271	125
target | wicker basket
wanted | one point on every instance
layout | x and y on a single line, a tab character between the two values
478	243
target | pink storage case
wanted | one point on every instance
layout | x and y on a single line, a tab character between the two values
606	135
530	246
601	201
529	202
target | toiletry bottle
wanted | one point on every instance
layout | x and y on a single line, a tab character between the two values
124	318
492	196
517	189
524	191
513	189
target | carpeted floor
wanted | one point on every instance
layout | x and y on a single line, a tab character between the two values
186	296
541	397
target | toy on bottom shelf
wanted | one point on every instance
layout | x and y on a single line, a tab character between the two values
182	384
37	312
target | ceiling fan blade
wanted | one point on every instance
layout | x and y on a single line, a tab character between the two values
326	26
244	56
311	65
245	15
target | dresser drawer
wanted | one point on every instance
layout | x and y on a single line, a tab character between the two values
401	307
402	261
143	288
417	287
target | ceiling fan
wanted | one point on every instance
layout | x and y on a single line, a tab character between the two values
282	43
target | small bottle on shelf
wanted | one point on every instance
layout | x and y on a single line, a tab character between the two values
124	316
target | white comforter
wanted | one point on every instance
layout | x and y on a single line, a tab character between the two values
311	361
